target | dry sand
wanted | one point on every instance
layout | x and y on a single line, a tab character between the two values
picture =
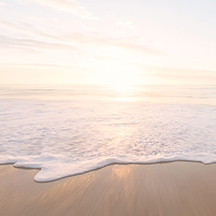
177	188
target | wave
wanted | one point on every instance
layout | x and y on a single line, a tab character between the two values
68	137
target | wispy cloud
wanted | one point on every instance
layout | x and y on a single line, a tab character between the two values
32	44
44	74
2	4
25	27
69	6
42	65
101	39
183	76
103	57
35	35
183	79
126	23
175	71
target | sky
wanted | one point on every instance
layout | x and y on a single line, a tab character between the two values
108	42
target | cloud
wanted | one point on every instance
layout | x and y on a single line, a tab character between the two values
185	79
44	74
2	4
166	75
41	65
166	71
126	23
69	6
103	57
101	39
64	41
32	44
25	27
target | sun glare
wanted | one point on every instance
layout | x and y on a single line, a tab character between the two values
121	76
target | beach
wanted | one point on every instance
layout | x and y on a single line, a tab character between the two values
175	188
107	108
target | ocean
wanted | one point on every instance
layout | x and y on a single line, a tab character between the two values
71	129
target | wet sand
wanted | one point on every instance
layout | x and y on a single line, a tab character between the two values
176	188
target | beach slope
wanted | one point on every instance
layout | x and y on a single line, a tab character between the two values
176	188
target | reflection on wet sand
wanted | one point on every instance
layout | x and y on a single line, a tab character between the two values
121	171
178	188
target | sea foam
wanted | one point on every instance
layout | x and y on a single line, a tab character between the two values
68	131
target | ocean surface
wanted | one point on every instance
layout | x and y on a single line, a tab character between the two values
71	129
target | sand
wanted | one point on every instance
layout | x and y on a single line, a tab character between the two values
176	188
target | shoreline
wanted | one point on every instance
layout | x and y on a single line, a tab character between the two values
167	188
111	164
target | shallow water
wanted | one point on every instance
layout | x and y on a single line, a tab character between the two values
66	130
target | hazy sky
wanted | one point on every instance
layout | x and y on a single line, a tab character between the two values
95	42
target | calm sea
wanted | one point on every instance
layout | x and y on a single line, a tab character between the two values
71	129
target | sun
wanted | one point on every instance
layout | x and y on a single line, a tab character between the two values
121	76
